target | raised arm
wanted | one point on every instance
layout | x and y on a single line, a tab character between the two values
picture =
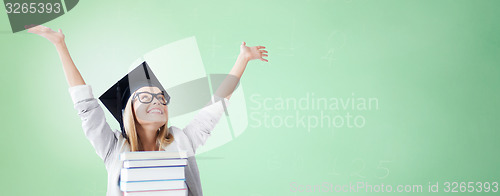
246	54
94	124
200	128
73	76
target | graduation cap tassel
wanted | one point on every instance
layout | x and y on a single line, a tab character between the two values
147	73
118	105
145	70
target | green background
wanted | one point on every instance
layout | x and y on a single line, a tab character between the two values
432	65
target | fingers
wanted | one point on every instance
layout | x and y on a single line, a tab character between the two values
33	28
263	52
28	26
260	47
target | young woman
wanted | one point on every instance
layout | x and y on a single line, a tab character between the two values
145	116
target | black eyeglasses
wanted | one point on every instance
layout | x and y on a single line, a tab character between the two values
147	97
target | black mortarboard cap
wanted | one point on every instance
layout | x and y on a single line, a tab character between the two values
115	98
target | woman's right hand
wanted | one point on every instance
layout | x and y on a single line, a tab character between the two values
57	38
51	35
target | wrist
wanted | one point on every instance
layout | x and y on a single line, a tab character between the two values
244	57
59	44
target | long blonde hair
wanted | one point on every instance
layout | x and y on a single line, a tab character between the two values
163	135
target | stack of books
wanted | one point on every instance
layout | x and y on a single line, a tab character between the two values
150	173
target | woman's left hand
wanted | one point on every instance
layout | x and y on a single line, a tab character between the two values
254	52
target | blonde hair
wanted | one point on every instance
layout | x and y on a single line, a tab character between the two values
163	135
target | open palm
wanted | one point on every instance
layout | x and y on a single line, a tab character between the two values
51	35
253	52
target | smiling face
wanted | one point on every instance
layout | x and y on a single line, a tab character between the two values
154	113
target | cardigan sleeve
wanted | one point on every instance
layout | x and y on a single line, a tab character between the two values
94	124
200	128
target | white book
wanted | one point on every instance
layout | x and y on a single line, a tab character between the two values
154	163
153	185
158	193
152	173
141	155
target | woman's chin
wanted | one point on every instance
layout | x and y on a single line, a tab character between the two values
156	121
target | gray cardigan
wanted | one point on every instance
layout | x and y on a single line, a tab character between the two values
110	143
